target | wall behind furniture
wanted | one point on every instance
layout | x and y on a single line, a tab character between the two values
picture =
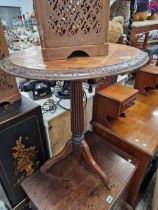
25	5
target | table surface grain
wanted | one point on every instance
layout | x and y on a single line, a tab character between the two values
29	64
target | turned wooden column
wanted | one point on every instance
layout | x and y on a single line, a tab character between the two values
77	128
77	113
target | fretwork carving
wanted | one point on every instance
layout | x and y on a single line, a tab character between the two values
66	26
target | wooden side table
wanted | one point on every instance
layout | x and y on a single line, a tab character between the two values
146	79
30	64
117	99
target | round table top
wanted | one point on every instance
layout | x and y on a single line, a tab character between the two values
29	64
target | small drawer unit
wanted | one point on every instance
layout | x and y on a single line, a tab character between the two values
112	102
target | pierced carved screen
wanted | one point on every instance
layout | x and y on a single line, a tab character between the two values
8	87
66	26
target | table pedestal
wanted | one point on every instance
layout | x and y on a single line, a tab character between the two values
77	144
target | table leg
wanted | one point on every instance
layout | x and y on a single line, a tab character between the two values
78	144
77	128
63	154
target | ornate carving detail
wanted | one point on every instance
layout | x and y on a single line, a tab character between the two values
75	16
5	81
75	74
4	78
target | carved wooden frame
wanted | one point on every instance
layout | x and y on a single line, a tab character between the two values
8	87
67	26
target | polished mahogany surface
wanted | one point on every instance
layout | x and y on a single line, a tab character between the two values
30	64
140	127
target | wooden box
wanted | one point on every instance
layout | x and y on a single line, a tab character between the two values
67	26
112	101
23	148
8	87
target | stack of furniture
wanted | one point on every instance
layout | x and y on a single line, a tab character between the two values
135	134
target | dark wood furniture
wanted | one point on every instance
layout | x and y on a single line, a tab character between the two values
137	135
73	185
30	64
146	79
23	149
112	102
8	87
67	27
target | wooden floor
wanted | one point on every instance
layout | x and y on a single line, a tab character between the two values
72	185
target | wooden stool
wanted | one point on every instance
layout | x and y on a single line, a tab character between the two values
113	102
146	79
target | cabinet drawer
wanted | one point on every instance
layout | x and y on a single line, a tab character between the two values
127	104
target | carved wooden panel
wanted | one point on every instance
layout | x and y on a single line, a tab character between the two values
8	88
66	26
74	17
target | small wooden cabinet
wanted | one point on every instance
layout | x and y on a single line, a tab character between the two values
111	102
146	79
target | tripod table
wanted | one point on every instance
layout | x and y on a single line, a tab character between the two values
30	64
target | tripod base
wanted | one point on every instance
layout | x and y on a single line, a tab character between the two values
85	151
73	180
